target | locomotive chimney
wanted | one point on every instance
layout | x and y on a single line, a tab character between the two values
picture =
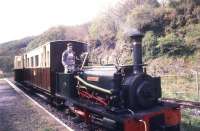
136	39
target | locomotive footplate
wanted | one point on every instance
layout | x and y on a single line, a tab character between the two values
164	117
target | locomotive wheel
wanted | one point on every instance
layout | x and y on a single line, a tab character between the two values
58	103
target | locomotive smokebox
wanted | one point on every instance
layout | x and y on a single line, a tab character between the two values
136	39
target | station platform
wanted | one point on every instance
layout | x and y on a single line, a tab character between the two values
19	113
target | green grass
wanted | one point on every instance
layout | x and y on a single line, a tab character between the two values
185	88
180	87
48	129
190	121
28	104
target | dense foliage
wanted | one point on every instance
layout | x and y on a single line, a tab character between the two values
171	28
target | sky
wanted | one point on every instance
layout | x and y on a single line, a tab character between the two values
21	18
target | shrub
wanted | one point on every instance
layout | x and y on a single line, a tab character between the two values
173	45
149	45
192	34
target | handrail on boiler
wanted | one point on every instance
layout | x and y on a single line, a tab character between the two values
93	86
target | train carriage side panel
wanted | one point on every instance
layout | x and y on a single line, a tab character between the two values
18	69
37	68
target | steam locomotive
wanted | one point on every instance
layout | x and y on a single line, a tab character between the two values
118	98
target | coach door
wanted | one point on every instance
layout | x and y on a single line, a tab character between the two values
44	69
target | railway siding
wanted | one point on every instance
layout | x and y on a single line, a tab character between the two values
18	113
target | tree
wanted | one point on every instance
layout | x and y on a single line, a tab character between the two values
140	16
149	44
173	45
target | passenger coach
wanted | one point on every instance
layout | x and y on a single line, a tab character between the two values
38	67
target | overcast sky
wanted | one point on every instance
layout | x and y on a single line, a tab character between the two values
21	18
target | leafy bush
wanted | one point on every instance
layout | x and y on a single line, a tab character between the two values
192	34
174	45
149	45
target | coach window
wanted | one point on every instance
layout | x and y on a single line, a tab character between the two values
41	59
48	59
32	62
44	56
24	62
27	62
19	64
36	60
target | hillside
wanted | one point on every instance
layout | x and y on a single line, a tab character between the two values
9	49
172	34
60	33
170	45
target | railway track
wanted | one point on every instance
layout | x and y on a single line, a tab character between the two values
68	120
183	103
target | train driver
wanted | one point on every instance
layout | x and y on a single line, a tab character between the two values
68	59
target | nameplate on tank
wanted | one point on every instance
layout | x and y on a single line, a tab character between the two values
92	78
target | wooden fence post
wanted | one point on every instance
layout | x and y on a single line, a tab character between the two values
176	87
197	84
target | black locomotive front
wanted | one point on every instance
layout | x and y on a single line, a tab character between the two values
135	91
